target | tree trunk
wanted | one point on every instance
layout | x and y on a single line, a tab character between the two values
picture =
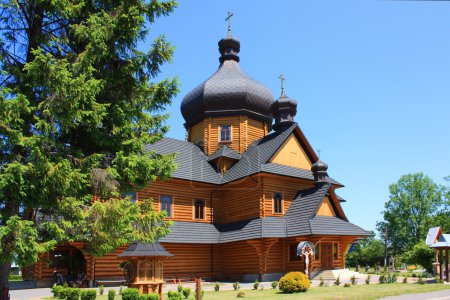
4	287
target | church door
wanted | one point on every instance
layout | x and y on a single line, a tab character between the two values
326	256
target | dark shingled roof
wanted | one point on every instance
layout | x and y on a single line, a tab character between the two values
340	198
224	151
192	233
145	249
191	162
335	226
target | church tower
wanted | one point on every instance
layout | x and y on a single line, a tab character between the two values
230	109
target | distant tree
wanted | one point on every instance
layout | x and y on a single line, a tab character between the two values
414	203
77	106
368	252
420	254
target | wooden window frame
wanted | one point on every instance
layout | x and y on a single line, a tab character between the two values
220	133
335	250
172	205
274	205
195	209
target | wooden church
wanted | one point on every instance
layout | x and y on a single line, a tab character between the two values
247	189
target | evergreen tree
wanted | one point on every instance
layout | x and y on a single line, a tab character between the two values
77	106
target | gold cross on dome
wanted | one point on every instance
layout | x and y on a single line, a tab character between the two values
228	18
282	78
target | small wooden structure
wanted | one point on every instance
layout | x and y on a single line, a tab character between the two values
144	267
441	245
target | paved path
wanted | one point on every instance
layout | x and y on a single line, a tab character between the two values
438	295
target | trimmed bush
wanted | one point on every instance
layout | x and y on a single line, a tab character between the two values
353	280
368	279
130	294
347	284
236	285
172	295
338	280
241	294
256	284
63	293
322	282
89	294
152	296
294	282
217	286
73	293
111	294
274	284
180	288
186	292
56	289
101	289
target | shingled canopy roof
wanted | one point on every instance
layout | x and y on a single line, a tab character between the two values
224	151
145	250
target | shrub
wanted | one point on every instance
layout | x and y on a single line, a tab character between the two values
88	294
405	280
111	294
420	281
151	296
382	278
241	294
202	293
217	286
101	289
120	290
274	284
186	292
56	289
338	280
347	284
63	293
256	284
321	281
172	295
353	280
294	282
236	285
180	288
368	279
73	293
130	294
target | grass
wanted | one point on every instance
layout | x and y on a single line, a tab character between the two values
359	292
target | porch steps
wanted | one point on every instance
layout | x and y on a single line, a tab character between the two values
344	275
325	274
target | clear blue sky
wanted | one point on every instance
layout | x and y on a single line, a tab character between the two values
372	81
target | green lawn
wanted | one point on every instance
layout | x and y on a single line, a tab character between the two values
373	291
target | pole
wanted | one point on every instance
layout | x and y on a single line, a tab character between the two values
385	246
199	288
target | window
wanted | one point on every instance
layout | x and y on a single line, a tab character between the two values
293	253
132	196
317	252
166	204
335	251
277	203
225	133
199	209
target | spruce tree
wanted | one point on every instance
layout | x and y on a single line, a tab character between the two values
78	102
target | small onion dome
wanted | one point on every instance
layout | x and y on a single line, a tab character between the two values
229	91
319	170
283	110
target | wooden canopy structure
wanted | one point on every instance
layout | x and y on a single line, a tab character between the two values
441	244
144	268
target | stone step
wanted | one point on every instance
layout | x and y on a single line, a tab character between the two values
19	285
324	274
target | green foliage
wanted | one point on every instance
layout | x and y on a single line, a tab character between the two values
338	280
405	280
151	296
413	203
388	278
347	284
256	284
321	281
130	294
89	294
180	288
274	284
186	292
420	254
240	294
236	285
73	293
101	289
420	281
217	286
63	292
78	102
172	295
294	282
353	280
111	294
368	279
56	289
369	251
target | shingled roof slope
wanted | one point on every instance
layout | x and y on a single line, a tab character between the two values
224	151
335	226
191	162
192	233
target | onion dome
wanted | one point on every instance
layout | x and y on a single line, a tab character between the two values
283	109
229	91
319	170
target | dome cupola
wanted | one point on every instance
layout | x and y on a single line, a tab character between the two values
229	91
284	108
319	170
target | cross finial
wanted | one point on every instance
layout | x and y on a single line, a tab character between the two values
282	78
228	18
318	153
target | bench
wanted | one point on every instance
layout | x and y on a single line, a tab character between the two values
110	282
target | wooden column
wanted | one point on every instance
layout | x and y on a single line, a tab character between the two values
440	264
446	265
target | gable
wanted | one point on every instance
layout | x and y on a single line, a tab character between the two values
326	208
292	154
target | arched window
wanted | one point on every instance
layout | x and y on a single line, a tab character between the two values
199	209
